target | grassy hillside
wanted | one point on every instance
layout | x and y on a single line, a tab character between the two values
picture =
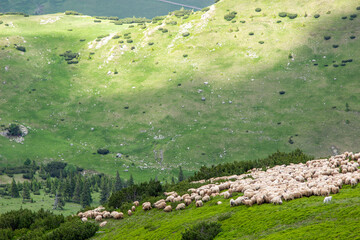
154	103
304	218
120	8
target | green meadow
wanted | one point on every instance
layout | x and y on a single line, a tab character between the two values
206	91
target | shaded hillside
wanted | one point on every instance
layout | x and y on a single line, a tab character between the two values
187	90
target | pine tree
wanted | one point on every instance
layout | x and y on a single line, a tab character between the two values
26	191
131	180
118	183
78	190
85	195
105	193
14	189
172	180
181	175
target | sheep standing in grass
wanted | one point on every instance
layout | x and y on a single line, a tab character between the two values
146	206
103	224
206	198
136	203
129	212
327	199
199	203
187	201
180	206
84	219
98	218
168	208
133	208
218	203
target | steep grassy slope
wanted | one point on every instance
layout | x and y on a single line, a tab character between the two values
154	103
304	218
120	8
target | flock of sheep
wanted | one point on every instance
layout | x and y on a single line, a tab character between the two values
320	177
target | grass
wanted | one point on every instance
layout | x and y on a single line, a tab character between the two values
69	100
305	218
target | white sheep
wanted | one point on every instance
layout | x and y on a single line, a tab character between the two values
84	219
327	199
103	224
199	203
180	206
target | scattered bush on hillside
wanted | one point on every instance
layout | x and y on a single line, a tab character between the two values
182	13
230	16
172	23
70	57
227	169
151	43
103	151
186	34
352	16
316	15
344	17
202	231
82	40
107	18
97	21
70	30
292	15
335	65
224	216
261	42
1	22
129	41
72	13
282	14
335	46
185	55
279	21
205	9
327	37
165	30
131	20
131	26
257	9
14	130
14	13
20	48
242	21
116	37
352	37
251	33
74	229
56	169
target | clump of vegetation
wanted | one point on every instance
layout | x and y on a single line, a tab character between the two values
344	17
103	151
352	37
205	9
279	21
352	16
72	13
335	65
131	26
20	48
242	21
182	13
172	23
131	20
14	130
316	15
107	18
261	42
97	21
129	41
251	33
292	15
186	34
230	16
203	230
335	46
70	57
257	9
282	14
116	37
185	55
327	37
151	43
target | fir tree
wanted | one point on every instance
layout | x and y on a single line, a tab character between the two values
78	190
86	195
105	193
118	183
131	180
26	191
181	175
14	189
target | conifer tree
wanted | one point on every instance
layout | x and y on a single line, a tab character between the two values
105	193
181	175
78	190
118	183
14	189
86	195
131	180
26	191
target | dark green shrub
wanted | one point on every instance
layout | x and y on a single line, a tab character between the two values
257	9
172	22
165	30
132	48
129	41
230	16
251	33
242	21
261	42
205	9
282	14
186	34
14	130
224	216
121	41
103	151
185	55
72	13
292	15
97	21
344	17
151	43
352	37
316	15
233	21
116	37
353	15
74	229
202	231
343	64
131	26
328	12
21	48
70	30
82	40
358	8
279	21
335	65
327	37
335	46
1	22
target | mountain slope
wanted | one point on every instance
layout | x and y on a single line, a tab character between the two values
153	111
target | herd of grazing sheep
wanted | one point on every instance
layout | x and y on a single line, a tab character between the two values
277	184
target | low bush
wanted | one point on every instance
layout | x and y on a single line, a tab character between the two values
103	151
72	13
1	22
261	42
131	26
129	41
327	37
97	21
21	48
230	16
358	8
205	9
165	30
316	15
257	9
335	46
279	21
151	43
292	15
242	21
282	14
116	37
186	34
202	231
344	17
352	37
14	130
251	33
185	55
335	65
